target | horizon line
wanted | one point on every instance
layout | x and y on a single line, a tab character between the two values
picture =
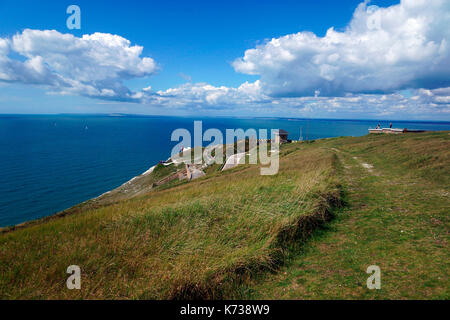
118	114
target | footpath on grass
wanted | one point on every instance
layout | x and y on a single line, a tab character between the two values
394	218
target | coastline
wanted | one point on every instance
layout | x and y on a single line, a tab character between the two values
34	189
73	209
154	232
70	210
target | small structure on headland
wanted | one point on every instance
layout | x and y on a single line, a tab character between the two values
393	130
281	136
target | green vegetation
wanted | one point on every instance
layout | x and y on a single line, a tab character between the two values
237	234
199	239
162	171
397	217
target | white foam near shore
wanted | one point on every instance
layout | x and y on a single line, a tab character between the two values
143	174
149	171
128	182
179	159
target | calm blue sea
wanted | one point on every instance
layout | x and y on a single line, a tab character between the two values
50	163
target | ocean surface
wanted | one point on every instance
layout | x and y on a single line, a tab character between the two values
50	163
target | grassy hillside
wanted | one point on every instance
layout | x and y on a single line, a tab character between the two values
199	239
237	234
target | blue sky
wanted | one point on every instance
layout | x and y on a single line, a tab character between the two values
199	60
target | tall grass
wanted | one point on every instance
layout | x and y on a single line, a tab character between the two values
196	240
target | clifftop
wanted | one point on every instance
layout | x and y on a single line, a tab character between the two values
220	235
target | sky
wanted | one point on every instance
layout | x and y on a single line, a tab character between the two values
309	59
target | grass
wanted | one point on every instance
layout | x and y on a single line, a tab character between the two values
237	234
201	239
397	218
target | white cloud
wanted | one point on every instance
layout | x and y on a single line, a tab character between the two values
358	72
250	99
205	94
93	65
381	50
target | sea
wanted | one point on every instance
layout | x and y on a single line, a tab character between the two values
49	163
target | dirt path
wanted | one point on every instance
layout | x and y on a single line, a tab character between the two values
365	165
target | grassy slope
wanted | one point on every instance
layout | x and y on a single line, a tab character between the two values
397	218
205	238
199	239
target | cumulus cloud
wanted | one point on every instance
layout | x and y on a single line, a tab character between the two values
210	96
381	51
93	65
360	71
249	98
